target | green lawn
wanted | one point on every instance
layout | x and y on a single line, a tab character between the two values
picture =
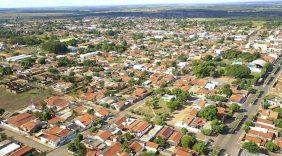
12	102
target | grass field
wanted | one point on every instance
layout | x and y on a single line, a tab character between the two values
12	102
162	108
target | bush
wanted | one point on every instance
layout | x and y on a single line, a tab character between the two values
251	147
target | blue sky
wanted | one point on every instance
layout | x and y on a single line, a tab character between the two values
54	3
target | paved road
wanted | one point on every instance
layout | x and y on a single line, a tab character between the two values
61	151
27	141
229	142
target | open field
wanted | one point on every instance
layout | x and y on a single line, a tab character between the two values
162	108
12	102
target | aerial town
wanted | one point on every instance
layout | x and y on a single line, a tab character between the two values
127	86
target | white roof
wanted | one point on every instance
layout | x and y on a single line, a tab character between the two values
259	62
10	148
19	57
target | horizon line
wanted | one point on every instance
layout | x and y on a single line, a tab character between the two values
148	4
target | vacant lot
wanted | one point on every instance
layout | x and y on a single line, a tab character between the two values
12	102
146	110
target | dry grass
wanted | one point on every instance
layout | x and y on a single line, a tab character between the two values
12	102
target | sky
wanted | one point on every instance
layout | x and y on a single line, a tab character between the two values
56	3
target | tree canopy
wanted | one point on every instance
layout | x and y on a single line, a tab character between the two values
209	112
55	46
237	71
251	147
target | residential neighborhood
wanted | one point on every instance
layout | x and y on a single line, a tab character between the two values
125	86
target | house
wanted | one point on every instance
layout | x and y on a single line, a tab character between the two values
175	138
25	150
58	103
31	126
211	85
85	121
180	151
139	127
136	147
103	135
113	150
18	58
24	122
239	98
7	150
167	97
102	113
166	132
56	136
151	146
120	105
151	134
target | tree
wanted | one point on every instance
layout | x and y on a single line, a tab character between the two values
226	90
200	147
207	58
77	147
188	141
27	63
217	126
53	70
237	71
89	63
2	111
184	131
209	112
7	70
160	141
63	62
42	60
251	147
278	123
272	147
173	105
55	46
207	132
234	107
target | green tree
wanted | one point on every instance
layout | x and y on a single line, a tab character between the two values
63	62
184	131
6	70
217	126
209	112
160	141
237	71
55	46
251	147
27	63
42	60
272	147
207	132
234	107
200	147
226	90
188	141
278	123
